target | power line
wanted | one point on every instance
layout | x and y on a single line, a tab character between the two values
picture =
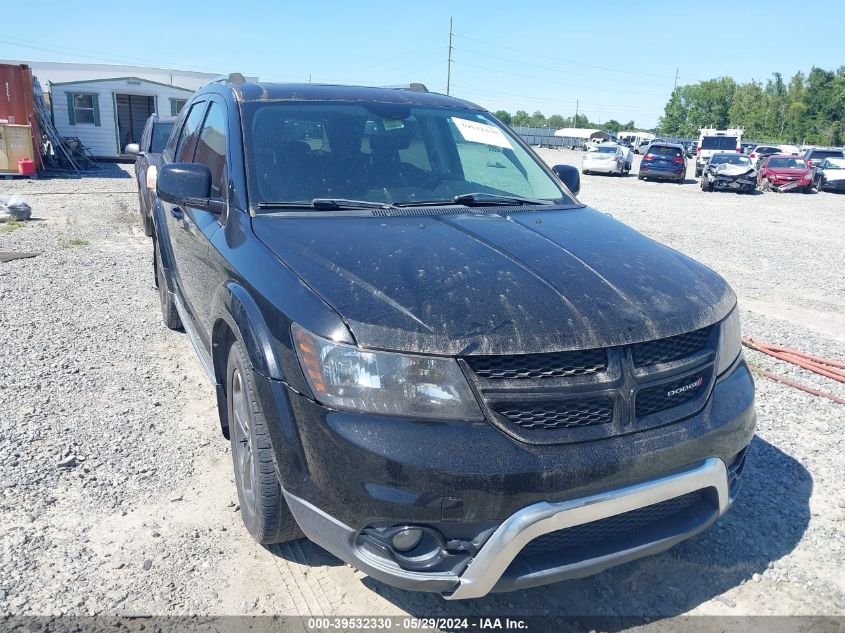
549	68
557	59
546	80
101	58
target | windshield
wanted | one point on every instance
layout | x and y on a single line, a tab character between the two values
665	150
787	163
161	132
605	149
382	152
822	154
732	159
719	142
834	163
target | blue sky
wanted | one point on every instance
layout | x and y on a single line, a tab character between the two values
617	59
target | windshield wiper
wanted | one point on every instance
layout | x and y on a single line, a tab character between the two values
327	204
479	199
482	199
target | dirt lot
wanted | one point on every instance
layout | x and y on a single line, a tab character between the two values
116	491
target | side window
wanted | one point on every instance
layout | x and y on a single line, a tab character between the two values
211	148
188	138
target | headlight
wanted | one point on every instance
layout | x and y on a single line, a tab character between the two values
346	377
730	342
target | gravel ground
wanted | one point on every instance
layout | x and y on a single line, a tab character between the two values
116	493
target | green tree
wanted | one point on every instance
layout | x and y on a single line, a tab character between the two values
612	125
674	119
521	117
749	110
538	119
556	122
503	116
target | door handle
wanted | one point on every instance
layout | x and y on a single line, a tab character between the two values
177	213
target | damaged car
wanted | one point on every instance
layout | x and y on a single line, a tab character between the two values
829	175
785	172
729	171
429	357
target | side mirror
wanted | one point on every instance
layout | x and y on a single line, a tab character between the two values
569	176
132	148
189	185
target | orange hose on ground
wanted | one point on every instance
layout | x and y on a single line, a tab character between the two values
814	366
797	385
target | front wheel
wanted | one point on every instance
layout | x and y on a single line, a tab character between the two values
263	508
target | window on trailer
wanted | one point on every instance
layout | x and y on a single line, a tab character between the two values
83	108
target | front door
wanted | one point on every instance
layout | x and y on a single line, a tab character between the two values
132	114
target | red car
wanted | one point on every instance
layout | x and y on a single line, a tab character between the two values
784	172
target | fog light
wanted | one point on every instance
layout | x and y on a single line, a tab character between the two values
406	539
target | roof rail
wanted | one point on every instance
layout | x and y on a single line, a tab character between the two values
232	78
414	86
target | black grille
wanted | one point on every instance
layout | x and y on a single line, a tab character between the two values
669	395
612	527
558	415
668	349
554	365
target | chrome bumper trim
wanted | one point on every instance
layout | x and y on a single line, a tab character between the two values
485	570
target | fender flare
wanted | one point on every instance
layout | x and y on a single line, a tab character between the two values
237	312
162	243
234	305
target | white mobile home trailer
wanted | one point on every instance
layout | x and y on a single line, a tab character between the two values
108	114
634	137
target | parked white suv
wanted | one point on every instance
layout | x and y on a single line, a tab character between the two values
712	141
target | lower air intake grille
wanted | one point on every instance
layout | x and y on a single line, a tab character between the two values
665	350
554	365
668	395
558	415
611	527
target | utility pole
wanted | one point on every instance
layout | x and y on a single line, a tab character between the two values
575	120
676	79
449	60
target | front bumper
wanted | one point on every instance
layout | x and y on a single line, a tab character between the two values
834	185
344	472
490	569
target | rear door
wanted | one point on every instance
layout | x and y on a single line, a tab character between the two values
186	239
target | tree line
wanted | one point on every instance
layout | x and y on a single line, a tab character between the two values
556	121
807	109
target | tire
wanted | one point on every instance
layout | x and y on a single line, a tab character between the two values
640	177
168	306
705	186
765	185
262	505
585	172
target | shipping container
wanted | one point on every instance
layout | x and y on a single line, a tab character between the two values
17	104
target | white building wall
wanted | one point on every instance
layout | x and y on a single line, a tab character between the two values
102	140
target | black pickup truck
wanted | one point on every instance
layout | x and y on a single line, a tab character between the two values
429	357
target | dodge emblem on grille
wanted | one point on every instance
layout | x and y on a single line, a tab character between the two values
693	385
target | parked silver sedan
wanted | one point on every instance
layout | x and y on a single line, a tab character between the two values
607	158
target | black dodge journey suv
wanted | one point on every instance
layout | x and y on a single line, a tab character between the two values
430	358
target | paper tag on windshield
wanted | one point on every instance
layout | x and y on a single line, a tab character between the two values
475	132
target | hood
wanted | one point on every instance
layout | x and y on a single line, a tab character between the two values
794	171
834	174
490	283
